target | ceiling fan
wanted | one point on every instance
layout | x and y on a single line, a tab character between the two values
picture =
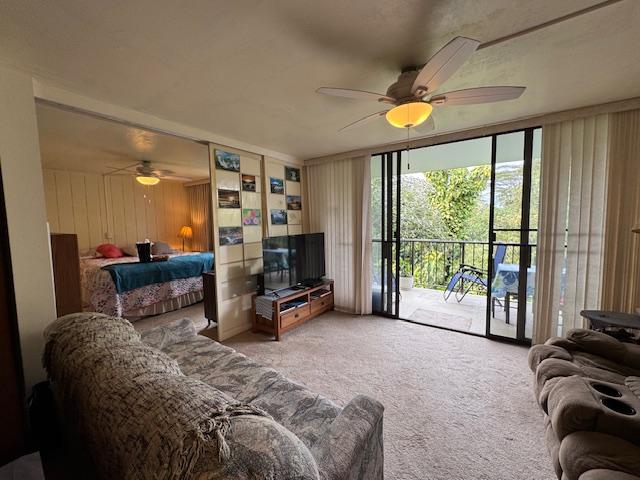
144	172
411	98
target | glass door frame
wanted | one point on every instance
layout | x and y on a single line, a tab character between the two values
390	297
390	241
524	243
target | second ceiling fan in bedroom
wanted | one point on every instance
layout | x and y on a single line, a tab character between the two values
411	99
144	172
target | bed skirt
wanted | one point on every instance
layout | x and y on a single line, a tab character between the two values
165	306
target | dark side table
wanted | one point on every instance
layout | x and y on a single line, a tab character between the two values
605	321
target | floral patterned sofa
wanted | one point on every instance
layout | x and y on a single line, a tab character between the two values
174	404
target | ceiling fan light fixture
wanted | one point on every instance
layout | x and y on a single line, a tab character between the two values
147	179
409	115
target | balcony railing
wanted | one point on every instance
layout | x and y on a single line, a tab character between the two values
431	263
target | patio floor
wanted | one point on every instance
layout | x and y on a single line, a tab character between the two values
429	307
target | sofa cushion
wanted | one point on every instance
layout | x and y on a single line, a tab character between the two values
297	408
163	336
605	346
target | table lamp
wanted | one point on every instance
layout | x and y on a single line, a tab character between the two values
185	232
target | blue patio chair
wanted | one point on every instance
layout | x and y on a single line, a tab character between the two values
467	276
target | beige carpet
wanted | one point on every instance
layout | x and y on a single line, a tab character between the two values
456	406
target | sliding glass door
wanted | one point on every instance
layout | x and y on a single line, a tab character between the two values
513	223
385	211
454	234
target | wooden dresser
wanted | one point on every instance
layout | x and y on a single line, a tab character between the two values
66	273
310	302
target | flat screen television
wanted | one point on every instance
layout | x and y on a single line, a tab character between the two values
293	260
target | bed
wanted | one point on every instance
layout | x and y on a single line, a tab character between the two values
99	292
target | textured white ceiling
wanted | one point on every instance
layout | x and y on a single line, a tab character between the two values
248	69
82	143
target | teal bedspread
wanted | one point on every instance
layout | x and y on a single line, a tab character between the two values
128	276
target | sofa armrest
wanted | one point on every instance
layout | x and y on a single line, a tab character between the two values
166	335
351	448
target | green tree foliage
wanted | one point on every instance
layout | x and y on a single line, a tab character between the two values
454	195
418	218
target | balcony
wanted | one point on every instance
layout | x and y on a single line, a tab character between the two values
431	263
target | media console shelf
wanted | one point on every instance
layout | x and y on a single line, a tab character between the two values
292	310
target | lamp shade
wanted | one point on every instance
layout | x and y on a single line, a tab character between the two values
185	232
409	114
147	179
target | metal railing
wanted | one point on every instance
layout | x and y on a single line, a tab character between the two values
432	262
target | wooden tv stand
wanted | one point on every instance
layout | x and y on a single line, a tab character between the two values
284	320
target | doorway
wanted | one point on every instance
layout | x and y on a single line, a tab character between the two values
454	234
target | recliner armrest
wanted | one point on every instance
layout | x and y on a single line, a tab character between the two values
352	446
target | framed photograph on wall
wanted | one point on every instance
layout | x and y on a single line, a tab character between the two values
277	185
292	174
250	216
230	235
227	161
278	217
293	202
228	198
248	183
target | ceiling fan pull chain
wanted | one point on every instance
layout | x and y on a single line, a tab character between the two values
408	149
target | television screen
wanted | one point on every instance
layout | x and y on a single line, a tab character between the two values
307	257
276	265
293	260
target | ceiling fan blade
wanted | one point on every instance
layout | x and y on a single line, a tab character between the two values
472	96
427	127
362	121
164	173
356	94
443	64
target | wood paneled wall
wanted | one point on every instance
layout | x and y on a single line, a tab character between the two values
115	209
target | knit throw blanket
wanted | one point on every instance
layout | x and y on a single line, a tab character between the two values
138	416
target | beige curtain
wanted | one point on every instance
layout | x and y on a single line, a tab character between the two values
200	215
338	205
621	281
571	225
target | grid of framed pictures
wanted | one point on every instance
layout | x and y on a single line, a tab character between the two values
285	199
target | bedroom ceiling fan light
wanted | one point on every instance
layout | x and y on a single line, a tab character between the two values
147	179
409	114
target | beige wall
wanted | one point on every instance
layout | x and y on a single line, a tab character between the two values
114	209
24	198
